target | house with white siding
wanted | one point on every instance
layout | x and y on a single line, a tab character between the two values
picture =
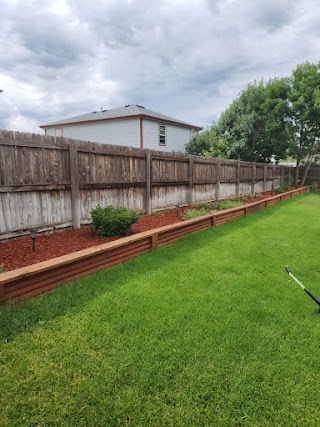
132	125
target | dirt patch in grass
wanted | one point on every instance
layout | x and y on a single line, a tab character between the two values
18	253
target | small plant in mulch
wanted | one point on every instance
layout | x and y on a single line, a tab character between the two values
2	269
229	204
194	213
158	213
282	189
208	206
224	204
111	221
251	195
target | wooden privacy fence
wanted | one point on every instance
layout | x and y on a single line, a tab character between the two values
38	278
48	182
313	175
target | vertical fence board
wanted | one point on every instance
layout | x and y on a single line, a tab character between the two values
218	177
74	180
148	183
238	180
190	178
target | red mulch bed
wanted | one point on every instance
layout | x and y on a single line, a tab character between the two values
18	253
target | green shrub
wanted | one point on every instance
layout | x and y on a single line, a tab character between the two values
224	204
282	189
2	269
314	185
228	204
110	221
194	213
208	206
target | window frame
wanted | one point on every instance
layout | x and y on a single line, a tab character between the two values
58	131
162	135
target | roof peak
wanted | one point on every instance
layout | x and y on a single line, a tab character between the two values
129	110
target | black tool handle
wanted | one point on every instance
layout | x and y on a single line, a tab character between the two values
312	296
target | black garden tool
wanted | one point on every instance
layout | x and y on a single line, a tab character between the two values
303	287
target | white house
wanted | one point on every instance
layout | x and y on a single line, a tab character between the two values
132	125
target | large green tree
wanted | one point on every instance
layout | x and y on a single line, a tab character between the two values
270	121
304	115
254	126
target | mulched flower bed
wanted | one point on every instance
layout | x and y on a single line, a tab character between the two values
18	253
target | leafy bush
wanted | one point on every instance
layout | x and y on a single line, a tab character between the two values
282	189
224	204
111	221
228	204
194	213
208	206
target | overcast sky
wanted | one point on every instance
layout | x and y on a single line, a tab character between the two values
183	58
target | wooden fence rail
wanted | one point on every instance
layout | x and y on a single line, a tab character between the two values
51	183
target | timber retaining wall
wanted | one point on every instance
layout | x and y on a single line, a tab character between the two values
42	277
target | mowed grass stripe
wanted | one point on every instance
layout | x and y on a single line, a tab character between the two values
209	331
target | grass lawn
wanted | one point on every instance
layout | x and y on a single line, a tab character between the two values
210	331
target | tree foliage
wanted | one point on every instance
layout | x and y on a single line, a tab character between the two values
198	144
254	126
269	122
208	143
304	115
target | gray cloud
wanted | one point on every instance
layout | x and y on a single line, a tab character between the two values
186	59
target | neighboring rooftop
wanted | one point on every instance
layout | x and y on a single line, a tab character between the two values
127	111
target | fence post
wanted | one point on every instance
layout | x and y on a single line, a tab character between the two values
132	191
218	174
273	177
238	179
265	168
190	178
74	181
253	184
282	176
148	183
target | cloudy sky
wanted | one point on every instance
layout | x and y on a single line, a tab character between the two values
185	58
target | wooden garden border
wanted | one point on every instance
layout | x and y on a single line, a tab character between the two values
42	277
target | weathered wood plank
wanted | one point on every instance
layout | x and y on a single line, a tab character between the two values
74	180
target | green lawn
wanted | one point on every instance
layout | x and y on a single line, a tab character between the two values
210	331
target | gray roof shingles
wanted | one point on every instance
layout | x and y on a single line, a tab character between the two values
118	113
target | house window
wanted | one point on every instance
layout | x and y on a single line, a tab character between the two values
58	132
162	135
